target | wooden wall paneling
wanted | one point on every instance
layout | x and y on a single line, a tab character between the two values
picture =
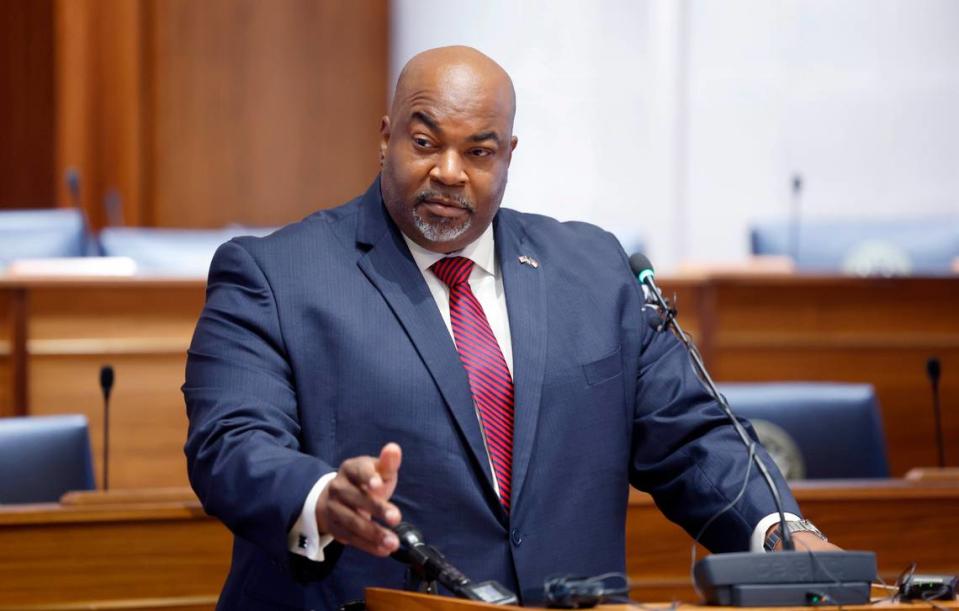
100	76
13	341
148	422
27	112
143	330
263	112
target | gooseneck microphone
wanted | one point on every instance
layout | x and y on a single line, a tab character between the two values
643	270
106	386
934	371
430	565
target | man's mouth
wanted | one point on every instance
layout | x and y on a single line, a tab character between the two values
446	208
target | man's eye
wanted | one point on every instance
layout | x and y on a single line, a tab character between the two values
421	142
481	152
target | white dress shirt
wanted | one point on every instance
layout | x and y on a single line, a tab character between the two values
487	285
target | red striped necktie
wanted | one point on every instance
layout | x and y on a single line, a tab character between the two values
490	381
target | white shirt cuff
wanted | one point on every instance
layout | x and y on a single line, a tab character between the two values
759	534
304	538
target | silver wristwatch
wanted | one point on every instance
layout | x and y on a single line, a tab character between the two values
802	526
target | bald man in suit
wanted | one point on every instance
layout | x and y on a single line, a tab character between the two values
420	353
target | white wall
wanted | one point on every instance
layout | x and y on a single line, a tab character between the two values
683	120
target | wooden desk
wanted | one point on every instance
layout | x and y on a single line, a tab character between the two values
56	333
381	599
147	552
139	549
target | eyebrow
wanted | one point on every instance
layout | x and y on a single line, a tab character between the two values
427	120
487	135
430	122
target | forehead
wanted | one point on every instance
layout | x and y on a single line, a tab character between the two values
456	96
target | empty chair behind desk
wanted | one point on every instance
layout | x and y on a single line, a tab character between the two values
836	428
42	457
42	233
169	252
863	247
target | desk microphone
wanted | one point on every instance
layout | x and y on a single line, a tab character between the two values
934	371
106	386
431	565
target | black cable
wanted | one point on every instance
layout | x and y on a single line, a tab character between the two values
669	319
715	516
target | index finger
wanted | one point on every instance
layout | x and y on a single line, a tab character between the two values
361	472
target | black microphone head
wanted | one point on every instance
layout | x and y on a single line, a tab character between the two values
933	369
106	379
408	535
640	263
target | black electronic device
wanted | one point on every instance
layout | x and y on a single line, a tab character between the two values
745	579
928	587
575	592
430	565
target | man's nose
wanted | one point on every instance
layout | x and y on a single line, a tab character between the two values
449	169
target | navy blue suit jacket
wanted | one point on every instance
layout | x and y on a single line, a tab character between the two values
322	342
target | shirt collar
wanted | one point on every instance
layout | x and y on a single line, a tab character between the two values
481	251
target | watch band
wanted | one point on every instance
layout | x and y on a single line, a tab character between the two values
793	527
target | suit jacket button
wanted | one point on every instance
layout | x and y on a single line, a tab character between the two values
516	537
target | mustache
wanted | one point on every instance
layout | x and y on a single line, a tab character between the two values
450	199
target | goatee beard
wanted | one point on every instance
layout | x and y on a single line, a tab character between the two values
443	230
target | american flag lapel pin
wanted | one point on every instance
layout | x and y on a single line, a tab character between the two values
527	260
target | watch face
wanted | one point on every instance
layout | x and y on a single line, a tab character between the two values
782	448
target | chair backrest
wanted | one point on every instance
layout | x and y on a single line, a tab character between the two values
837	427
865	248
43	233
174	252
41	457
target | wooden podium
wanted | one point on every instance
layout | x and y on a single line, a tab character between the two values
379	599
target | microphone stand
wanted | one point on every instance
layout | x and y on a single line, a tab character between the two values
751	579
668	313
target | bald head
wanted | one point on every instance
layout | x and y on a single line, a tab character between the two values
446	146
456	70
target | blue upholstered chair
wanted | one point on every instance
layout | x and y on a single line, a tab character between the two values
865	248
41	457
35	234
170	252
837	428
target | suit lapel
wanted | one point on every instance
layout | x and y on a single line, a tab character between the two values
390	267
525	290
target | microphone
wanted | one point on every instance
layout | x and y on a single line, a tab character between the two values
106	386
643	269
795	218
72	178
934	371
88	242
113	207
431	565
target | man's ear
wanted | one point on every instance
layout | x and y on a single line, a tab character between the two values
384	137
512	146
